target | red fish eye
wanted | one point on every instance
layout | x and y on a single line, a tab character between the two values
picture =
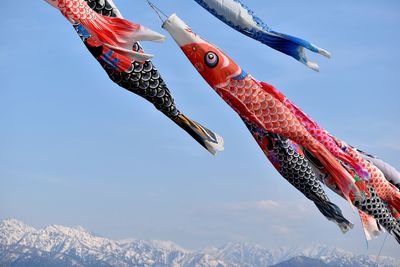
211	59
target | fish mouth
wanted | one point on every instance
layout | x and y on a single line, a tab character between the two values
180	31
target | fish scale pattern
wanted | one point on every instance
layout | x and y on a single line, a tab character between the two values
248	97
145	81
383	188
300	172
318	133
374	206
288	158
143	78
293	166
268	110
102	7
76	10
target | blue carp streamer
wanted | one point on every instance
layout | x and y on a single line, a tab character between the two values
238	16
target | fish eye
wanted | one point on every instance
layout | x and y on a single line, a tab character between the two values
211	59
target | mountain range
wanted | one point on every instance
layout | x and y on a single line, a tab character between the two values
22	246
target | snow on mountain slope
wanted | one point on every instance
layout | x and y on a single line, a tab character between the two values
22	245
11	231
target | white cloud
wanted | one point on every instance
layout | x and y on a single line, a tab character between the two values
261	204
272	206
267	204
282	230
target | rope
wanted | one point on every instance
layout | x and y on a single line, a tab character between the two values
158	11
380	251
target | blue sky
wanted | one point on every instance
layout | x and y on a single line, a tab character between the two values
76	149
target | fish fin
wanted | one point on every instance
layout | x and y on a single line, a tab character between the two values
334	214
127	31
120	34
208	139
113	59
332	181
370	226
290	45
273	91
342	178
133	55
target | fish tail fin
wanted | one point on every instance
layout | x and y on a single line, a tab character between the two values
370	226
334	213
208	139
342	178
292	46
120	34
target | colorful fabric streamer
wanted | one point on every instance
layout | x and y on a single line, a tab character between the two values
319	133
115	33
290	161
142	78
238	16
256	104
387	191
390	172
373	211
376	179
251	101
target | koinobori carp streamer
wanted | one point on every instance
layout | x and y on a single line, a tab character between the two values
289	160
238	16
373	211
257	105
116	33
251	101
390	172
138	76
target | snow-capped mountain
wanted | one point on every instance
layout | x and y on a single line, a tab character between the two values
22	245
239	254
